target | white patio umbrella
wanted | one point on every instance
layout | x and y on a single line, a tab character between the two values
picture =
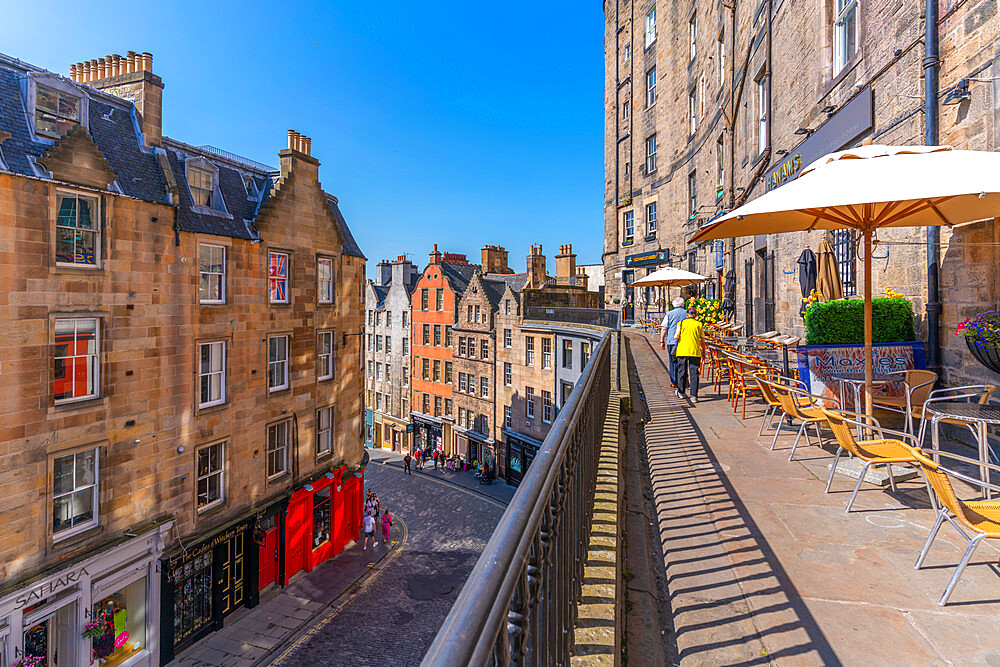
867	188
670	277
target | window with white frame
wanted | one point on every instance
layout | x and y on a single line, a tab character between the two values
388	318
378	401
547	406
75	492
506	306
507	373
650	26
845	33
202	185
484	349
546	353
378	343
439	300
448	370
76	360
529	402
211	273
210	476
693	37
720	164
211	373
405	319
720	56
324	280
277	448
629	226
406	376
584	353
324	431
761	84
378	371
277	277
626	53
651	87
461	346
651	154
388	345
508	338
56	111
529	351
626	109
650	218
567	357
484	387
693	111
692	196
371	368
447	336
388	372
324	355
78	230
277	363
406	346
469	314
462	383
506	416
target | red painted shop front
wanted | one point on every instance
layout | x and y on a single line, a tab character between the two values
319	521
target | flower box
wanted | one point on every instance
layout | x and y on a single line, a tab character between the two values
820	365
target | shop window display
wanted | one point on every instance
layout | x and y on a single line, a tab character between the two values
321	517
193	597
122	617
51	640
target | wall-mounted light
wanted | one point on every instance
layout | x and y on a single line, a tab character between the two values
958	93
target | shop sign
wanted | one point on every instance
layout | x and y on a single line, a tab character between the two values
820	366
838	132
51	586
207	545
651	258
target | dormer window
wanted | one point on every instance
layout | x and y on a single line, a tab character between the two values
202	186
56	111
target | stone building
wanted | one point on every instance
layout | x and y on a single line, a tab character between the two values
709	105
434	314
387	355
178	368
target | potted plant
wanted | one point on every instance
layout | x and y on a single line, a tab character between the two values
982	336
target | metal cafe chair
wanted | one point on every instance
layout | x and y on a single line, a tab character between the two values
918	385
801	405
874	451
773	404
979	393
975	520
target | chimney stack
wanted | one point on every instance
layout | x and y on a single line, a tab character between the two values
495	259
565	262
129	77
435	256
298	156
536	268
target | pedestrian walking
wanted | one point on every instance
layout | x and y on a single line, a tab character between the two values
417	457
386	525
668	337
376	504
434	455
690	335
369	531
406	464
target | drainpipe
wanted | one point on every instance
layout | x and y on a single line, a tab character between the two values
931	65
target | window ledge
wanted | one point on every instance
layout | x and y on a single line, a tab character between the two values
276	479
211	409
327	378
74	536
210	304
844	71
650	237
211	509
82	405
65	267
279	391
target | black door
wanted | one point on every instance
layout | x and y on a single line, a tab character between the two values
748	296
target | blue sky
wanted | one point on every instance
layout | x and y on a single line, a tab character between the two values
451	123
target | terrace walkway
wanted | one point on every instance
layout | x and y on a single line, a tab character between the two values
761	566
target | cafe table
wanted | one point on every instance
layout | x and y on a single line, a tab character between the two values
977	416
857	385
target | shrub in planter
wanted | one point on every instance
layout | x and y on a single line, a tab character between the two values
842	322
709	310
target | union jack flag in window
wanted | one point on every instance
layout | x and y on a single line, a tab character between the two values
277	272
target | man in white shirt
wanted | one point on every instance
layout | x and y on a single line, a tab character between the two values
668	335
369	531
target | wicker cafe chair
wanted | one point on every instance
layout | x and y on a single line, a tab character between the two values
981	518
719	365
918	385
808	411
742	373
979	393
764	380
874	451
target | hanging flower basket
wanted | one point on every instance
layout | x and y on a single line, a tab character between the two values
982	336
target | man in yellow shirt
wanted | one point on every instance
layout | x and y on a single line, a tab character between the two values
690	335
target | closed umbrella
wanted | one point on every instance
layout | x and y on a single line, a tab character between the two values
807	276
868	188
728	304
828	282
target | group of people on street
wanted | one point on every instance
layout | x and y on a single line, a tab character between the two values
372	517
420	457
682	336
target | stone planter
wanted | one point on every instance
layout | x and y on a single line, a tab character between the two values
987	354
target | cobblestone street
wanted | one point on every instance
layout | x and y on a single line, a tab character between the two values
392	617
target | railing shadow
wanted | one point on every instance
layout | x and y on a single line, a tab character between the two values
715	615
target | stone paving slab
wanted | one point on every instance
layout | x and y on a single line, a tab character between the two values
762	566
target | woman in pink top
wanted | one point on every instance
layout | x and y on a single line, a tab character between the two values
386	524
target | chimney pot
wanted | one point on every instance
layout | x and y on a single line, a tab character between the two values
308	145
72	72
94	72
107	66
147	61
100	68
136	62
129	61
291	139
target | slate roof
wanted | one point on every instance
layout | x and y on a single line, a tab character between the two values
517	281
459	275
114	127
380	293
494	290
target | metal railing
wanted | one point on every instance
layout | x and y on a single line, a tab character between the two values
520	601
592	316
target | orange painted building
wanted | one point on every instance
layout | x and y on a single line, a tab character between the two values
433	314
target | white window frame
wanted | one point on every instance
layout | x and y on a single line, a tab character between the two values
841	57
692	111
324	436
651	163
324	285
721	57
287	279
546	407
650	218
529	351
626	109
95	215
693	36
221	275
629	225
507	419
650	87
761	83
220	473
286	427
484	387
277	362
508	338
529	402
324	355
626	53
507	373
213	347
93	360
567	353
650	34
546	353
93	487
